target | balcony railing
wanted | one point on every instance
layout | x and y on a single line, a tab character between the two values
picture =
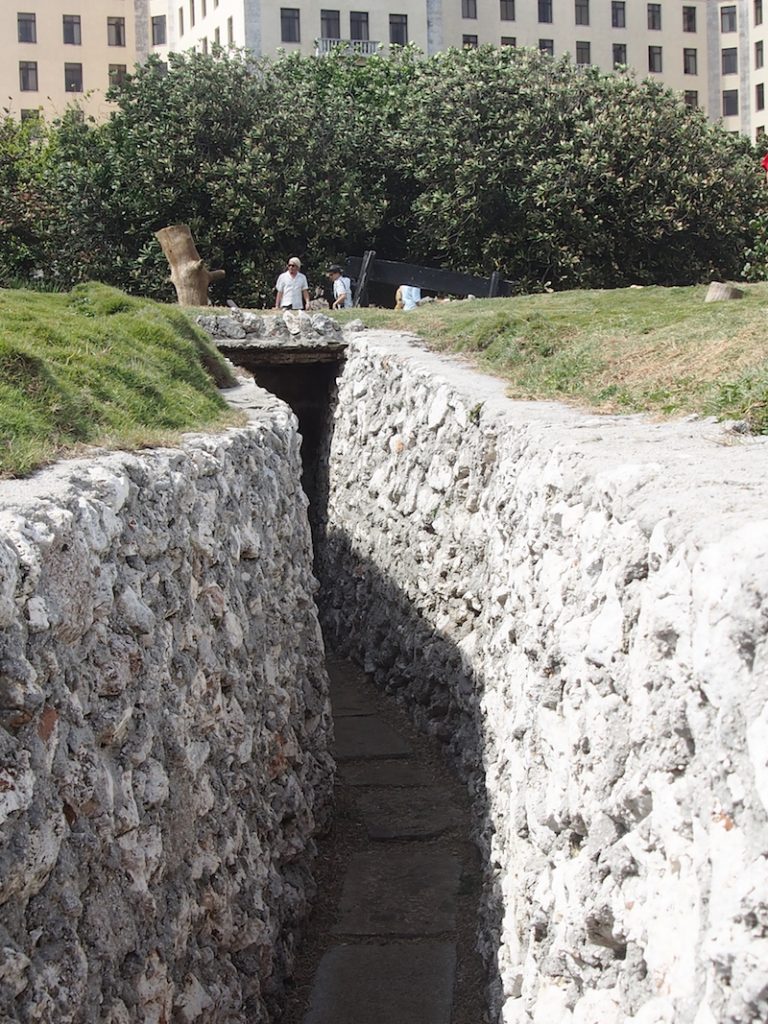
351	47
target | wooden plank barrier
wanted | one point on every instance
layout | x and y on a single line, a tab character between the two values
368	269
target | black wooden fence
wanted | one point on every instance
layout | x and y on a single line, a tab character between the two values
368	269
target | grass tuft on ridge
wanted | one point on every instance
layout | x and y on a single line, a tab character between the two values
658	350
98	367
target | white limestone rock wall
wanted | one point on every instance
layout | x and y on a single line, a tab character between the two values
578	606
164	727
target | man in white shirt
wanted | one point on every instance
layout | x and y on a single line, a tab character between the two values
342	288
292	287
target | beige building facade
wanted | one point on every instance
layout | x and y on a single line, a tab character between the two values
57	51
711	52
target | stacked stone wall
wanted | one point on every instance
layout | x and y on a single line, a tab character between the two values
164	727
578	607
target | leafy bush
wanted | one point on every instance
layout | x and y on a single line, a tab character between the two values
756	255
476	159
22	206
555	172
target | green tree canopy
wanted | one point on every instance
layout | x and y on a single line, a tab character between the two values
476	159
563	173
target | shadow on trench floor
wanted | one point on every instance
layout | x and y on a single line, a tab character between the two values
391	939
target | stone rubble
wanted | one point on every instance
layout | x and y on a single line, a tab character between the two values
165	721
577	606
314	329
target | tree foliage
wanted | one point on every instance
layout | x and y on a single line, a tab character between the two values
564	173
22	205
477	159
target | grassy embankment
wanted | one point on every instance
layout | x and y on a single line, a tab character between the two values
95	367
658	350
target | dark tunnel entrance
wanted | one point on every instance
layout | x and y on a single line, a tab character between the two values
304	378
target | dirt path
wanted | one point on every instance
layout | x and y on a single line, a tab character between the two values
391	939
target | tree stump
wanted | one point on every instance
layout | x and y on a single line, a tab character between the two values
718	292
189	275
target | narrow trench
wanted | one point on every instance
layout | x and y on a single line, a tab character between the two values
392	936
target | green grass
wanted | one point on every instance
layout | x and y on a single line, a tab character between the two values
96	367
658	350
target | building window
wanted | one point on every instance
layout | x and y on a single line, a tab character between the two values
118	74
398	29
71	29
204	44
290	28
583	55
181	21
469	8
758	11
547	45
728	18
619	54
582	12
231	29
654	17
203	8
191	13
215	4
217	36
507	10
759	132
691	98
159	34
469	42
545	12
654	59
509	41
116	31
358	25
759	54
730	102
330	24
690	62
689	19
73	77
27	28
618	14
760	97
729	60
28	75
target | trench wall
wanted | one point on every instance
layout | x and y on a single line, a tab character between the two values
163	702
578	607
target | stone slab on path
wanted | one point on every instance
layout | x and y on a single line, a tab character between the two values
349	698
352	693
402	774
411	891
406	814
393	984
362	737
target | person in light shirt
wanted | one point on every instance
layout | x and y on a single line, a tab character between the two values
342	287
292	287
407	297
